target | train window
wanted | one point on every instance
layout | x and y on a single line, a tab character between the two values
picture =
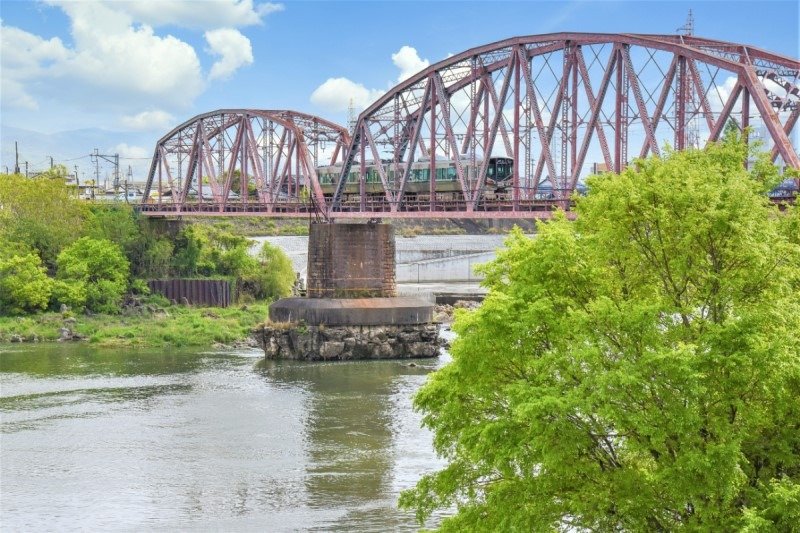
502	171
451	174
490	171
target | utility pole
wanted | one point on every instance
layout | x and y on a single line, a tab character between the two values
51	162
26	169
77	179
113	159
128	179
16	158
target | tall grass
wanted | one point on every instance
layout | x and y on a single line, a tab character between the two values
177	325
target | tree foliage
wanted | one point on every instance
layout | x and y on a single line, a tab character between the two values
40	212
114	222
217	251
96	268
637	369
271	275
24	285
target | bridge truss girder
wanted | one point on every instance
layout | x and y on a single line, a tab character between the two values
261	160
554	103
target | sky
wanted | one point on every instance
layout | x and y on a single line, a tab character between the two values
116	75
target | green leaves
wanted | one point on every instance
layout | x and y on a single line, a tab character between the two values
24	285
96	268
41	213
214	251
634	370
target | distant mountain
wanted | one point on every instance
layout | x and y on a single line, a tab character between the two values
73	147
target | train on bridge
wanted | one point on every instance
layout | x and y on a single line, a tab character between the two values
422	180
504	130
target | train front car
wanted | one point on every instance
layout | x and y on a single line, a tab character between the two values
499	173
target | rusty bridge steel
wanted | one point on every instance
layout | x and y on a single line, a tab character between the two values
553	103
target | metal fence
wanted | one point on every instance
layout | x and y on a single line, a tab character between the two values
208	292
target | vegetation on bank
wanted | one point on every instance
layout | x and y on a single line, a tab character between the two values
635	370
65	255
153	325
254	226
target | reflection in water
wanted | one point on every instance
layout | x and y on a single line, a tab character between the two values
102	439
350	428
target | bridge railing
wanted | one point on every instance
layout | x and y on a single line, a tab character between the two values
382	207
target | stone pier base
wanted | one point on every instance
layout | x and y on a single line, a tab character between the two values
287	340
351	311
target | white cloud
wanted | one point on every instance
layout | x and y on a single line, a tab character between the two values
25	56
719	94
232	48
206	15
408	61
149	120
110	52
14	95
336	93
116	60
111	63
126	151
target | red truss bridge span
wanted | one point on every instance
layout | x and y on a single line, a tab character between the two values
505	130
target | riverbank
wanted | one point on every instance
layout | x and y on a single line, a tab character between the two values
149	326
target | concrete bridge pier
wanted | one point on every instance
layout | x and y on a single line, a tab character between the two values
351	310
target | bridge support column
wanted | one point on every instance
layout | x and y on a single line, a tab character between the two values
351	261
352	311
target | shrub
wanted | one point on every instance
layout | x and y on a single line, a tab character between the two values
71	293
271	275
101	266
24	285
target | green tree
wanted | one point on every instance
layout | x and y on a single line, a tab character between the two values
98	267
116	223
40	212
635	370
270	275
24	285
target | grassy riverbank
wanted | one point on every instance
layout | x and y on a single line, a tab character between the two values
150	326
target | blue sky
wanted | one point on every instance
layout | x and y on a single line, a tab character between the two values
124	72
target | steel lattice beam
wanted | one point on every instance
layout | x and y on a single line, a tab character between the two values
270	156
639	92
553	104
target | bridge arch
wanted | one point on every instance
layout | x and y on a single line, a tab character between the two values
258	160
552	104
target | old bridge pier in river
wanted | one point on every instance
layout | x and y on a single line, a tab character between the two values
351	310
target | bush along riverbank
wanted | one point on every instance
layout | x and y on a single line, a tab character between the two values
150	323
82	271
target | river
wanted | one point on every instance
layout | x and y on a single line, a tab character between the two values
102	439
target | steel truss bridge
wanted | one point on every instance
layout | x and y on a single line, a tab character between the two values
560	106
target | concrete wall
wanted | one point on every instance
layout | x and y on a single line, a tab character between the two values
456	268
410	250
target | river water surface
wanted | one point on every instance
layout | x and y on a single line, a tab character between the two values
132	440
